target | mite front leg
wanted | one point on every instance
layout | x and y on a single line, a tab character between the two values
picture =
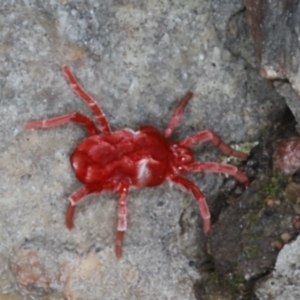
217	168
176	117
72	117
207	135
122	218
93	105
190	186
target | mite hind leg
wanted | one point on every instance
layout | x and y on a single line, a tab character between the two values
75	198
200	198
122	218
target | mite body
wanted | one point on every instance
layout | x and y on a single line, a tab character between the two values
124	159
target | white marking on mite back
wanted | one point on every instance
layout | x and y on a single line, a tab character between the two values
132	131
75	165
143	171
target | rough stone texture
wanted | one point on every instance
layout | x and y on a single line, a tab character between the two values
137	58
291	96
249	246
250	232
287	156
230	20
276	31
283	283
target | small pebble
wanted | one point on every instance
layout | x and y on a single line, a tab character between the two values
286	156
297	208
277	202
292	191
296	223
277	244
285	237
270	202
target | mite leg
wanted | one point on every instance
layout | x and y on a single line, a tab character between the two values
190	186
69	216
207	135
72	117
93	105
122	218
77	197
217	168
176	117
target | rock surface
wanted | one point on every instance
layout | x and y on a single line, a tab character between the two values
283	283
275	28
137	59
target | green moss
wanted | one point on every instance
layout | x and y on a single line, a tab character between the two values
274	186
261	223
230	285
256	228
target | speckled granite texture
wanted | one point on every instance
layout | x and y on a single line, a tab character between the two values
137	58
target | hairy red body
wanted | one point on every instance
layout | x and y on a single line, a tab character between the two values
124	159
139	158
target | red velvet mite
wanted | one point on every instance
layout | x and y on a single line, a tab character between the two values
121	160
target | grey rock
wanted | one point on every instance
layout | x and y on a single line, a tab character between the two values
137	59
